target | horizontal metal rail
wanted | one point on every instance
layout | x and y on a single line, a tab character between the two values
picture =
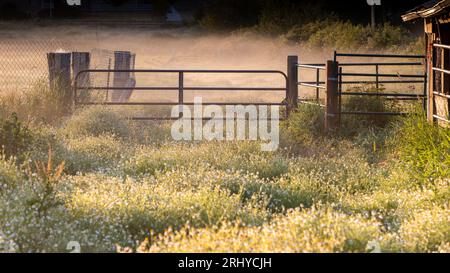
441	95
312	85
381	64
203	119
380	82
312	66
374	113
185	103
380	94
186	71
441	118
379	56
382	75
299	83
442	46
441	70
185	88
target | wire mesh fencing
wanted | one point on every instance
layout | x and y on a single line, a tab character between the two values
24	63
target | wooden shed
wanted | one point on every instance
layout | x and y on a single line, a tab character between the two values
436	16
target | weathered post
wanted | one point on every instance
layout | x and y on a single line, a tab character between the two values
59	68
81	61
122	61
332	97
292	86
59	74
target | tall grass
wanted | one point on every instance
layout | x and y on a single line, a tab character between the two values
40	103
424	147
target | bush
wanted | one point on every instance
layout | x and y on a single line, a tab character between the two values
305	125
14	137
9	175
332	33
97	121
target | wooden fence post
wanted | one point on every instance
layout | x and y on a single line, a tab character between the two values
81	61
59	73
292	86
122	61
59	68
332	97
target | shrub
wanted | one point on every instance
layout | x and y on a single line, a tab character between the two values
9	175
341	35
14	137
97	121
306	124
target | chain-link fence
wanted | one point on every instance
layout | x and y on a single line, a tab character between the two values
23	63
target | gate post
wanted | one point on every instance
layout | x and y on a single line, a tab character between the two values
81	61
59	73
292	86
122	61
332	97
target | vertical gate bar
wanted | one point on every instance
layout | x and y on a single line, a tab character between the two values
108	79
340	88
317	83
377	77
292	90
180	93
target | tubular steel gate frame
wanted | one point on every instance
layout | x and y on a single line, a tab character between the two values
333	84
181	88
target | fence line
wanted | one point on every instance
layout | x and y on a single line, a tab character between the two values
24	63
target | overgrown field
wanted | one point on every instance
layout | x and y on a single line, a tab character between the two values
114	185
94	177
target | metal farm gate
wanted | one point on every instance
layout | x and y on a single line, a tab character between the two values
111	95
330	79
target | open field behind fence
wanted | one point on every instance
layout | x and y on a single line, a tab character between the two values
23	63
